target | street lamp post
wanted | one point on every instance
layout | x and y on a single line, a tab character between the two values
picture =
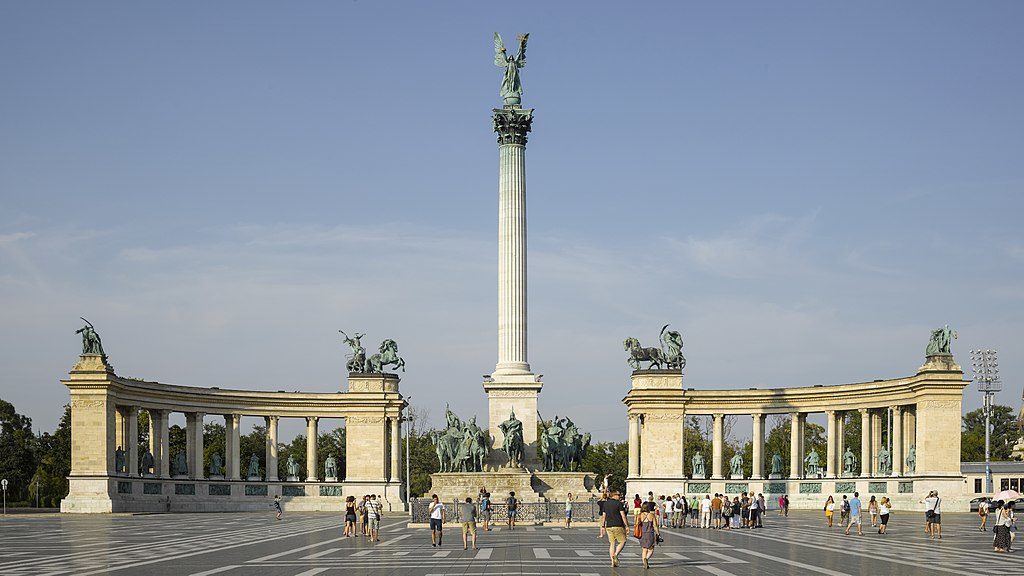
407	441
986	373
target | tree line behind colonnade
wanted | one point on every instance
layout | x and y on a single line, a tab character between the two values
40	463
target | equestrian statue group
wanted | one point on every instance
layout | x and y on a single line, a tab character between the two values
669	355
358	362
562	446
462	446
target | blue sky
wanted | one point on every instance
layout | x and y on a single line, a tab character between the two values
804	189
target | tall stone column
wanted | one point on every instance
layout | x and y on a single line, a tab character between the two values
717	443
396	449
634	445
165	444
232	446
830	444
157	422
796	456
120	428
897	441
311	452
132	441
512	125
865	442
194	442
840	442
876	440
271	448
512	387
757	441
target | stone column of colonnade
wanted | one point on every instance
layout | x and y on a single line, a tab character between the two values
897	441
634	445
194	444
865	442
796	458
840	442
271	448
232	446
757	455
311	448
717	444
830	444
396	449
876	440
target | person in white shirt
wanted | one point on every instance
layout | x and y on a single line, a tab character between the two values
438	515
705	512
666	515
933	515
983	512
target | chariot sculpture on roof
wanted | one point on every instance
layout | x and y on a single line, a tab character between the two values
669	355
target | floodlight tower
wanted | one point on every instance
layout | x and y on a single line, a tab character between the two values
986	373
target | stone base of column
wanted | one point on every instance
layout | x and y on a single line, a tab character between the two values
507	393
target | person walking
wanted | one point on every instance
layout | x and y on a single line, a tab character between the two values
613	519
726	514
844	511
350	517
277	506
647	522
637	502
744	510
668	508
1003	540
373	512
830	508
363	515
694	512
854	515
438	516
884	509
513	510
679	511
932	515
716	511
600	512
785	499
569	499
873	511
735	511
467	517
983	507
485	511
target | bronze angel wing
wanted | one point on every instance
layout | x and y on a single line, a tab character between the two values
499	51
521	58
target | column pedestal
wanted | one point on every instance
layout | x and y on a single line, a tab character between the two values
505	394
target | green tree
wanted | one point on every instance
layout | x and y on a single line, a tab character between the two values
609	458
18	451
214	442
422	461
50	478
177	442
1002	436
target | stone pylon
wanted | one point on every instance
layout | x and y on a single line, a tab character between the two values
512	386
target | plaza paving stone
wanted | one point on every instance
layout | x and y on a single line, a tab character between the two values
305	544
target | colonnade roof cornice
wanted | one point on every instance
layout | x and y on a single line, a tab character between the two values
818	398
224	401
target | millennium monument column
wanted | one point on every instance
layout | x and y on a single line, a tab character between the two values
512	387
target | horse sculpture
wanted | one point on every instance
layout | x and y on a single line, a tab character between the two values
638	354
669	355
387	356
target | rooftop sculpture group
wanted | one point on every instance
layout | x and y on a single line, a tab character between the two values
91	343
939	343
669	355
562	446
359	363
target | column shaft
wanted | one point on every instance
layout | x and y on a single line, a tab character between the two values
796	456
132	444
196	462
311	453
154	440
897	441
717	444
234	455
757	440
634	445
165	444
396	449
876	440
865	442
512	355
830	444
840	442
271	449
120	427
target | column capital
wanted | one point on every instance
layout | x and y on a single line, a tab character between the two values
634	416
512	125
897	409
830	413
864	411
312	419
718	416
272	419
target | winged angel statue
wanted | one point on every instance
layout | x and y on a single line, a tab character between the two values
511	87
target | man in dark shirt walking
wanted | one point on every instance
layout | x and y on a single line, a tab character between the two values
613	519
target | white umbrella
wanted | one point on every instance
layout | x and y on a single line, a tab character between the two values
1007	495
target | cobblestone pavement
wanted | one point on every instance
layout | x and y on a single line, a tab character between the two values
304	544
